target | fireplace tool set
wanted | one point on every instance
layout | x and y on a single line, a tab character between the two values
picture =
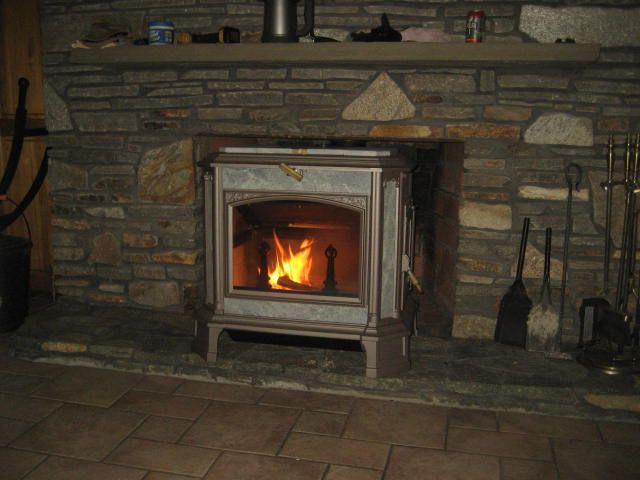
539	327
609	332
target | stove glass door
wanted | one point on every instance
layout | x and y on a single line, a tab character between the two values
300	247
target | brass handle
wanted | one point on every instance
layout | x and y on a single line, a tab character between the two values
415	282
291	172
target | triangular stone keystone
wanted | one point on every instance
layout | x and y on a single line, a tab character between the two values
382	101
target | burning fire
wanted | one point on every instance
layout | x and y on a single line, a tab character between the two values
291	269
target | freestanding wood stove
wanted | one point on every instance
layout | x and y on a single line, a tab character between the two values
312	242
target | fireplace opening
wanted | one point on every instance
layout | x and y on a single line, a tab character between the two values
291	246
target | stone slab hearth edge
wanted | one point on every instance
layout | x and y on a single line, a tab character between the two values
457	373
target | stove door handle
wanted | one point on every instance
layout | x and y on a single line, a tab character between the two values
292	172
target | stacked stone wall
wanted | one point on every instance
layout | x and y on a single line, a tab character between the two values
127	207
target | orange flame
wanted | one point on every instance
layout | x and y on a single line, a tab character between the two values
296	266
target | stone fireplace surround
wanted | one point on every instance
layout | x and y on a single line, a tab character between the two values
127	209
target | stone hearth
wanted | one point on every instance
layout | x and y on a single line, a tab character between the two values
463	373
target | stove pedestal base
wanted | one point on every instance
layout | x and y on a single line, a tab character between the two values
386	346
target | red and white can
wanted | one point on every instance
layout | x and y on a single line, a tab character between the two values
474	33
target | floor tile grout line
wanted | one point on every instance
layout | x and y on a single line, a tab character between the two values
447	424
159	394
34	375
127	437
36	466
54	410
288	435
215	460
97	462
174	442
348	465
193	422
106	461
386	461
441	450
326	471
501	468
57	454
349	417
376	442
601	433
554	455
530	434
33	425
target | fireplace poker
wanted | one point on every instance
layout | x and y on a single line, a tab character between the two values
573	176
622	292
608	187
634	231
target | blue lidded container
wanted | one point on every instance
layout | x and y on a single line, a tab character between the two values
160	33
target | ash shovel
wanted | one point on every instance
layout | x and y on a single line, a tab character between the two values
511	327
543	322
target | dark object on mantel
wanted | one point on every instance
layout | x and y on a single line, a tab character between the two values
383	33
281	21
223	35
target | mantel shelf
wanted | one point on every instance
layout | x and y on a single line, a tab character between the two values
348	53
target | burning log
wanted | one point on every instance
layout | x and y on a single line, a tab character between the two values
286	282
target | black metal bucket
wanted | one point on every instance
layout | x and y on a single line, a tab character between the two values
15	262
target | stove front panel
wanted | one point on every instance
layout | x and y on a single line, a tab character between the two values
261	212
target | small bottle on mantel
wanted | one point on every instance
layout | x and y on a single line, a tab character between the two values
474	32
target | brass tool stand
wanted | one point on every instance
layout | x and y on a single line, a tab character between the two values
614	348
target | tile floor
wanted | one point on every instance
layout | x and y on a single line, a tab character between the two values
63	422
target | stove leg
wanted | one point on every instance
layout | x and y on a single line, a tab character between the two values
387	350
214	336
206	339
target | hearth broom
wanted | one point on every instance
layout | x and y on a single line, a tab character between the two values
511	327
543	322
